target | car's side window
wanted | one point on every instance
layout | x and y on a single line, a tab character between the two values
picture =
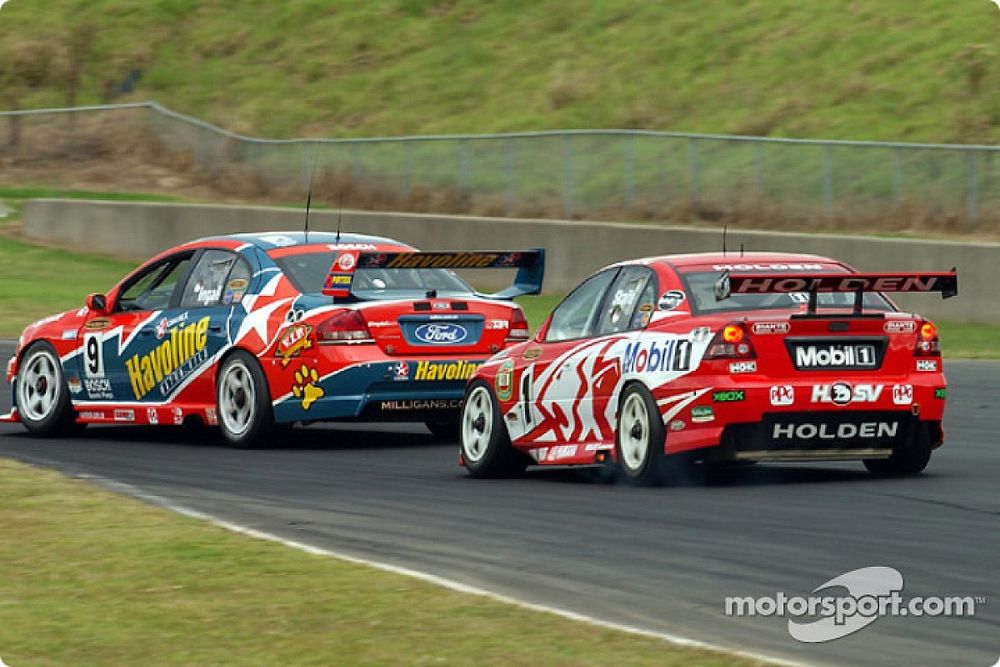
575	316
153	288
237	283
207	283
629	301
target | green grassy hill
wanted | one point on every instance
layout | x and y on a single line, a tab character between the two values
918	70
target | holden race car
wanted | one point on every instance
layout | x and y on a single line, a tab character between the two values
703	357
251	331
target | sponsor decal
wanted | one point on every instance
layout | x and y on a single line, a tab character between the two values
346	261
671	300
701	334
865	430
504	381
237	284
74	384
560	452
439	305
161	329
171	362
842	393
676	425
902	394
597	447
401	371
440	333
532	353
152	416
211	416
97	323
338	280
445	370
767	328
352	246
431	404
655	357
497	324
124	415
92	414
737	367
900	326
306	387
729	396
941	393
925	365
293	342
447	260
178	416
380	324
98	388
702	414
69	334
277	240
783	394
209	296
767	267
646	308
835	355
847	283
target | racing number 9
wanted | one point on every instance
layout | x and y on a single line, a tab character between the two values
93	362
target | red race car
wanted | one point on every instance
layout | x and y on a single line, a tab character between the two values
764	357
255	330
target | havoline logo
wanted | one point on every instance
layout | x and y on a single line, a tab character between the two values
170	362
835	355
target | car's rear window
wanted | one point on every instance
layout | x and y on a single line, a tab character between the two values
308	271
700	286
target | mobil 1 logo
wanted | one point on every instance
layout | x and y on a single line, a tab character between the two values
834	356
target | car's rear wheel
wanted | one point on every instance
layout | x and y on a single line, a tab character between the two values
908	460
483	437
43	401
446	429
244	402
640	437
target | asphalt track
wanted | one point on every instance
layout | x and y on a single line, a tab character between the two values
662	559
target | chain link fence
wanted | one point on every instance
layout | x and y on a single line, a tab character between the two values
597	174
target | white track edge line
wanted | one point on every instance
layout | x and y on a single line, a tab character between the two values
437	580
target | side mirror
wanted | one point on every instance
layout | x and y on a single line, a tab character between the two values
98	303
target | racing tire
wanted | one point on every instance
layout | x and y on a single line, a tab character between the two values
444	429
483	437
909	460
43	402
640	437
243	401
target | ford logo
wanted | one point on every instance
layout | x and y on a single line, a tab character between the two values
438	333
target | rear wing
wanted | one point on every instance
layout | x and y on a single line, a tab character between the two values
530	265
945	282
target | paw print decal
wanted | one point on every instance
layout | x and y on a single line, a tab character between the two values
305	386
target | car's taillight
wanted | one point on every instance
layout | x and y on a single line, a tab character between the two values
347	326
518	326
928	344
731	342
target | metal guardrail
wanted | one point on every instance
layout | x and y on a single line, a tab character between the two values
582	173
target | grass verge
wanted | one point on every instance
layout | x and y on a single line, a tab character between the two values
93	576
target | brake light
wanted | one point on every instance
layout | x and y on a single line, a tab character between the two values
928	344
518	326
347	326
731	342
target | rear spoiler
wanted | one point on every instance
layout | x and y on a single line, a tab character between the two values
530	265
812	283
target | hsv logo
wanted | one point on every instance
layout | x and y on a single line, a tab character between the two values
441	334
783	395
842	393
902	394
835	355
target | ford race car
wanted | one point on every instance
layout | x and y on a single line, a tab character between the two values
703	357
251	331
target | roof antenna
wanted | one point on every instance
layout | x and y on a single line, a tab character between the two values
309	193
340	211
741	250
725	229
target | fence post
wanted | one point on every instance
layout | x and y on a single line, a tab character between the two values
407	185
971	187
508	164
629	172
758	159
897	180
827	181
695	185
567	177
355	163
463	165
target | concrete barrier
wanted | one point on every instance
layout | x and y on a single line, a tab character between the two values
574	249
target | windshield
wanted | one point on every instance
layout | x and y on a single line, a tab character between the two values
701	290
308	271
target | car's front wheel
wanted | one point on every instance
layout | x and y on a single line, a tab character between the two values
486	448
640	438
43	402
244	401
905	460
